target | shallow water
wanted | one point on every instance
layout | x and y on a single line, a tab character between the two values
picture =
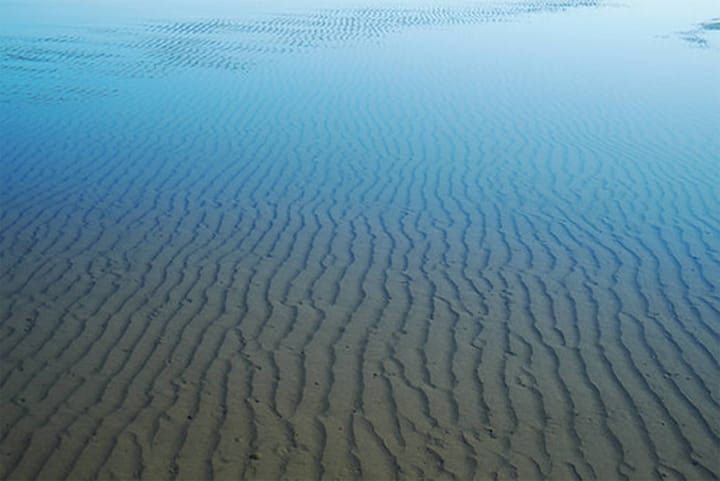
455	240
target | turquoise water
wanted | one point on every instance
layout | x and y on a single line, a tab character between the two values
457	240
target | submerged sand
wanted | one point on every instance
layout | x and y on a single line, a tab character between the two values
358	276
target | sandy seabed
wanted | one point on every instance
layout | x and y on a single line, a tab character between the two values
314	245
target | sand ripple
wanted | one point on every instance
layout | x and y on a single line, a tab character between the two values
343	278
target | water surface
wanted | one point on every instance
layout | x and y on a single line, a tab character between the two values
419	240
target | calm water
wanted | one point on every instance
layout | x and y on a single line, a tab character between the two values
418	240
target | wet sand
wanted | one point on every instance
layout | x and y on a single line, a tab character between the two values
308	247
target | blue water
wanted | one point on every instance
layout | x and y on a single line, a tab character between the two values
450	240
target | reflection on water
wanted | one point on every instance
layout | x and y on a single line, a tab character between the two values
423	241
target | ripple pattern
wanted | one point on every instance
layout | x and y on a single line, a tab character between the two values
322	285
54	68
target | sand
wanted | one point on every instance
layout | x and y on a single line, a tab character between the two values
316	247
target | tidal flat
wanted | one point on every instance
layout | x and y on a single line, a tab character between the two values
419	240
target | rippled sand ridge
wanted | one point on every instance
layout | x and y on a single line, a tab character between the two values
435	241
